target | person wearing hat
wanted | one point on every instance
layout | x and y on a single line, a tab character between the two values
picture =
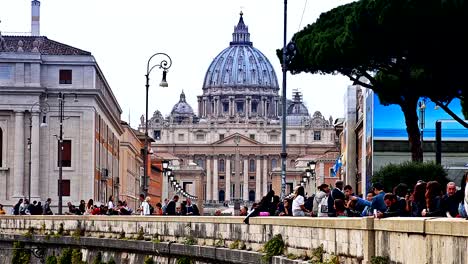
378	200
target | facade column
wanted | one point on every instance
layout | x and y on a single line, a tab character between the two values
246	180
35	183
205	112
228	177
265	175
18	179
258	180
208	178
200	106
215	179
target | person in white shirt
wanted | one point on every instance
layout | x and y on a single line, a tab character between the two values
298	208
110	204
145	206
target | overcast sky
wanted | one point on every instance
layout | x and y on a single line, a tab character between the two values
122	35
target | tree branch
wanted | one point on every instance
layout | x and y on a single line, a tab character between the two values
358	82
451	113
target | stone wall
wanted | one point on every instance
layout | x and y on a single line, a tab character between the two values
354	240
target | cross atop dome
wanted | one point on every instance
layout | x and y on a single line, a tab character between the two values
241	35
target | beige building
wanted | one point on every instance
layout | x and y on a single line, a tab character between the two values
231	149
38	76
131	164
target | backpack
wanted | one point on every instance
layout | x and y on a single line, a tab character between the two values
151	208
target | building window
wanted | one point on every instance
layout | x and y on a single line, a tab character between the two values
221	196
240	107
225	107
66	154
180	137
157	134
292	138
221	136
65	77
221	165
200	137
200	162
221	177
331	172
254	107
273	137
65	187
252	196
317	135
292	163
252	165
273	163
252	136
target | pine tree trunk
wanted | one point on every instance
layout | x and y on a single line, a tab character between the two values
409	108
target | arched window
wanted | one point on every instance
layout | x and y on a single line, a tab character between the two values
1	147
273	164
252	165
252	196
221	196
292	164
221	165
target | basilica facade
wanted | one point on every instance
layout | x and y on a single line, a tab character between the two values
230	148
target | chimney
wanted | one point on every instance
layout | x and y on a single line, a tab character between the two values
35	15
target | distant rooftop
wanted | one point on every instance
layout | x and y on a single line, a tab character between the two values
41	45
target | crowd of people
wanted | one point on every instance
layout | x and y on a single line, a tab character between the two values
425	199
24	207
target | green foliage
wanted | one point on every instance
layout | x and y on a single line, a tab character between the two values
51	260
380	260
66	256
30	232
98	258
20	255
274	247
184	260
61	230
141	234
317	253
149	260
292	256
235	244
190	240
77	257
405	49
409	173
111	261
122	234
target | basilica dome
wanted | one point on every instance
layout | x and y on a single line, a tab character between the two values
240	65
182	112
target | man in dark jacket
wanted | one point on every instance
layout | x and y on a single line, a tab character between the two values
171	206
393	208
451	200
336	193
46	209
16	208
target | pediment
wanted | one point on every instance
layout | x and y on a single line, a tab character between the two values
231	141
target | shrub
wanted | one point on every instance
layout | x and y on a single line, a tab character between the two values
65	257
20	255
184	260
409	173
98	258
51	260
148	260
273	247
380	260
77	257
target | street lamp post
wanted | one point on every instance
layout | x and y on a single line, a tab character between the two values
289	51
164	64
61	99
43	109
422	116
